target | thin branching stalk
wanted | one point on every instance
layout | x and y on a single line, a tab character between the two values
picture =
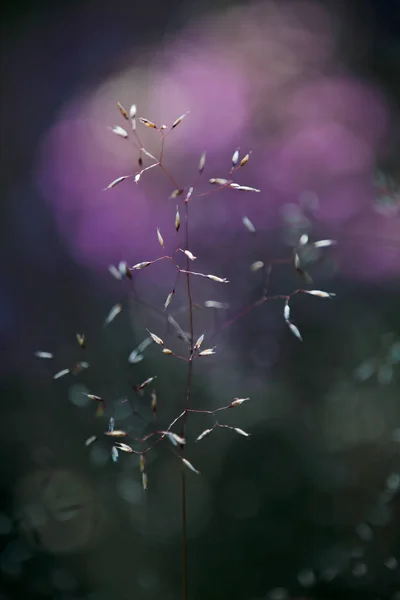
187	406
194	350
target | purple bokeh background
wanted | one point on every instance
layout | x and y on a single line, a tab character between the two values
272	82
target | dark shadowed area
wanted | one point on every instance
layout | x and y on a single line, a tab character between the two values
294	492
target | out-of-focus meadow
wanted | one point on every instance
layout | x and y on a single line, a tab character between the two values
308	505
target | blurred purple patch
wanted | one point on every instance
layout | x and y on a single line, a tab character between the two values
255	78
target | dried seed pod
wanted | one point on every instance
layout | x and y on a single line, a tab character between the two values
217	279
174	438
219	181
303	239
177	220
114	454
294	330
188	254
177	192
42	354
241	432
123	447
81	339
145	344
115	272
116	433
243	188
160	238
179	120
235	157
148	123
156	339
257	265
120	131
116	181
203	434
153	401
238	401
122	111
248	224
190	466
245	159
61	373
207	352
124	269
216	304
199	342
141	265
132	111
145	382
90	440
115	310
324	243
202	162
169	299
319	293
135	357
93	397
286	312
189	194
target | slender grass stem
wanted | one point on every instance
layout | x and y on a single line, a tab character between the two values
187	404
